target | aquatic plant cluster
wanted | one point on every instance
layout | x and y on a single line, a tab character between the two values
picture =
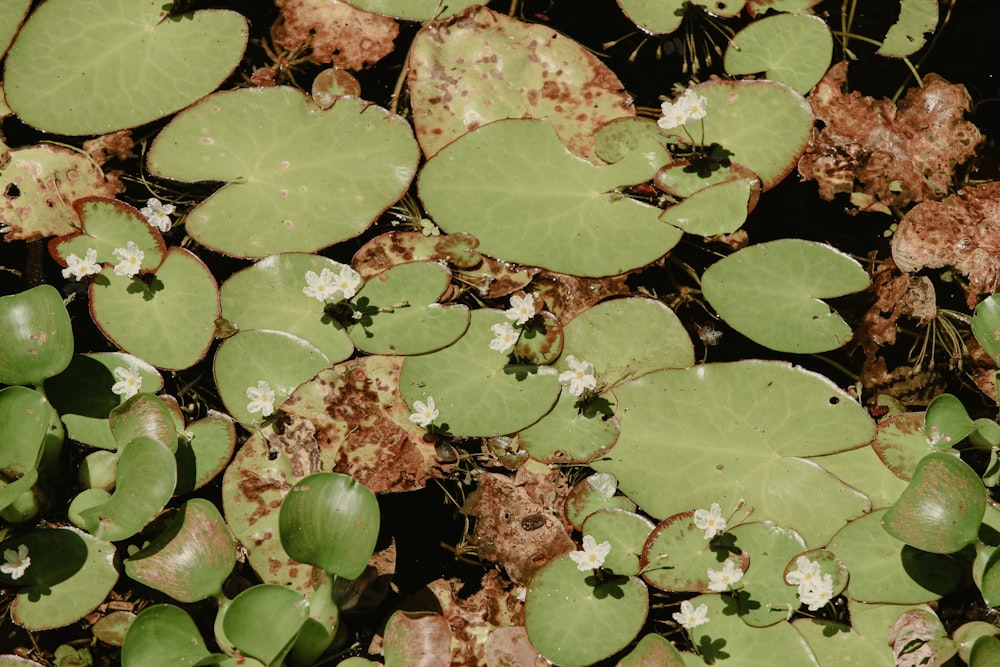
316	296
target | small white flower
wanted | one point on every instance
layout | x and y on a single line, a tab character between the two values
816	595
506	336
80	268
428	228
347	282
320	287
15	563
261	399
724	579
689	106
711	521
129	381
522	308
579	377
807	573
424	413
129	260
691	617
593	554
158	214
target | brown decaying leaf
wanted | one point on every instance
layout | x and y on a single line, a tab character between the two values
962	231
567	296
117	146
516	524
336	32
479	66
896	154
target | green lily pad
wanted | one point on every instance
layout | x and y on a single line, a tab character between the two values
541	340
331	521
770	293
907	35
765	599
683	179
901	442
11	16
625	531
984	652
864	470
764	124
569	433
36	337
87	49
652	651
147	474
106	225
191	558
677	557
264	621
986	326
29	430
619	137
17	499
794	49
297	178
401	312
83	397
282	360
661	17
268	295
143	415
947	422
415	10
828	564
163	636
884	569
838	644
941	509
484	66
473	389
775	414
716	209
594	492
142	319
540	205
70	574
627	338
203	451
563	607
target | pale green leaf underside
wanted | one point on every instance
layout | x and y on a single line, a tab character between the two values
738	430
298	178
538	204
416	10
113	64
906	36
794	49
771	294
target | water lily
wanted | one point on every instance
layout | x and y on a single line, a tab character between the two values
689	106
129	381
710	520
80	268
806	573
690	616
505	338
347	282
261	399
818	594
158	214
129	260
15	563
320	287
424	413
579	377
522	308
592	555
726	578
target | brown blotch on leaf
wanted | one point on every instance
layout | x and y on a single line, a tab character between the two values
336	32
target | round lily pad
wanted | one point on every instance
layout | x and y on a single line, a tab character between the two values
570	432
625	531
677	557
564	606
474	390
538	204
36	337
11	16
907	35
594	492
106	225
794	49
144	318
716	209
770	293
86	49
297	178
765	599
652	650
268	295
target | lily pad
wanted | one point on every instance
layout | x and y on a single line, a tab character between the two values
475	68
947	422
29	430
563	606
660	17
142	318
838	644
191	558
282	360
570	432
70	574
775	414
107	224
794	49
475	391
625	531
401	314
677	557
415	10
541	205
864	470
11	16
203	450
268	295
36	337
901	442
297	178
717	209
143	415
594	492
264	621
163	635
85	49
907	35
652	651
765	599
770	293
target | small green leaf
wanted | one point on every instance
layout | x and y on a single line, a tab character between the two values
143	415
794	49
264	621
906	36
986	326
106	225
36	337
163	636
29	430
716	209
947	422
625	531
